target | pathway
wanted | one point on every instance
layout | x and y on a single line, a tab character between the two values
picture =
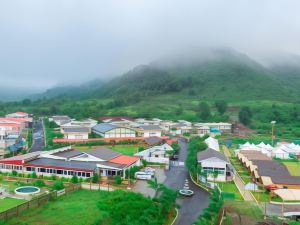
239	182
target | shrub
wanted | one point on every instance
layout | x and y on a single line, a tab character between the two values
39	183
53	177
58	185
33	175
14	173
118	180
74	179
95	178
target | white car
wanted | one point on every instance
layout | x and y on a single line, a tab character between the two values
142	176
149	170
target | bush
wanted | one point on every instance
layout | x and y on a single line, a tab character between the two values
33	175
53	177
39	183
131	172
74	179
118	180
14	173
95	178
58	185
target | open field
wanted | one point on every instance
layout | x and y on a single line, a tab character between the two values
77	208
293	167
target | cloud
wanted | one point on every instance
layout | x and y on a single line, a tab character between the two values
49	42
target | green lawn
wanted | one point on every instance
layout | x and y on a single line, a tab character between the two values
293	167
125	149
8	185
77	208
8	203
231	187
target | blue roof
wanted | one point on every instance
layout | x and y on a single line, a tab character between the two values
104	127
214	130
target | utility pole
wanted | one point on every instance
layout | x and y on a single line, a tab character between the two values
273	131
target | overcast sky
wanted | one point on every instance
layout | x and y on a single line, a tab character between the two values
59	42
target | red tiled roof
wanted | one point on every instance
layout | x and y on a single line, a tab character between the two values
124	159
21	113
9	125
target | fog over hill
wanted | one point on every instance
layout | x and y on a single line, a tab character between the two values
67	43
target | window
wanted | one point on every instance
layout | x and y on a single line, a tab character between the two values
42	170
59	171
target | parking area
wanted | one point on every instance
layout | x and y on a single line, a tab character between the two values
142	186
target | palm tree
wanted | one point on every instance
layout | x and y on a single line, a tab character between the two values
155	185
199	171
215	174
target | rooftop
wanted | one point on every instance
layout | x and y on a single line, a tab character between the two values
104	127
103	153
76	129
56	163
211	153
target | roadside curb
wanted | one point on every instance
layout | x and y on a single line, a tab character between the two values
205	188
175	216
284	203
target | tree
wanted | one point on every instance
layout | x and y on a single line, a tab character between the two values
74	179
245	115
118	180
95	178
215	174
204	111
155	185
221	106
58	185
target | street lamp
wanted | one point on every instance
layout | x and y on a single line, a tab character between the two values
273	130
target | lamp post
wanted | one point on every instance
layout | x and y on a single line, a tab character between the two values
273	130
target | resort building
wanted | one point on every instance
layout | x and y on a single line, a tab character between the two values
214	162
149	131
76	132
67	162
108	130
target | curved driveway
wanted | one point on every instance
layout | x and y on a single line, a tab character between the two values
190	208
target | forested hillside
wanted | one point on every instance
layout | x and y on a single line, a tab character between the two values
182	88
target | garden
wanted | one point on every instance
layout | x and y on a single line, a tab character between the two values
99	207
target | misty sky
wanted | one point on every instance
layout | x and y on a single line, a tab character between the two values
60	42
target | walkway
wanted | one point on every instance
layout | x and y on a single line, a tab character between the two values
239	182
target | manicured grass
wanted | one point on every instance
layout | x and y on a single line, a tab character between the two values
76	208
8	203
124	149
8	185
261	196
231	187
293	167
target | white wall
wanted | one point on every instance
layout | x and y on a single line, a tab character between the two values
152	134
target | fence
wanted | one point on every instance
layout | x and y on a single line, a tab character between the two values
36	202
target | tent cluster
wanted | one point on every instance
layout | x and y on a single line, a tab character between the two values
281	150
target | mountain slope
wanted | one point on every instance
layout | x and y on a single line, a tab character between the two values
223	75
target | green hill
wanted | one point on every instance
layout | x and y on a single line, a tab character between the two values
173	88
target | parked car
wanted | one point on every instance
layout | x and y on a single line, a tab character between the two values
142	176
149	170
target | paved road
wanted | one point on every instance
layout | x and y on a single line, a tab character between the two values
38	136
190	208
142	186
